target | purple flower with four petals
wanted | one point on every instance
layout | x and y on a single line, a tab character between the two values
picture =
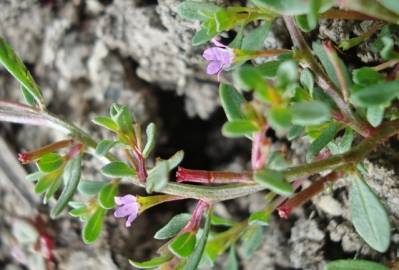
220	58
127	206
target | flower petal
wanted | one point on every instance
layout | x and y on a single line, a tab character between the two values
214	67
130	219
126	210
125	199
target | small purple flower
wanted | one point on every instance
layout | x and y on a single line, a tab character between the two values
220	58
127	206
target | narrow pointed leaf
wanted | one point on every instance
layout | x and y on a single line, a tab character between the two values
326	136
71	176
152	263
151	132
355	265
16	67
195	258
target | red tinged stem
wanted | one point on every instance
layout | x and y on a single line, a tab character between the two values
259	152
212	177
195	222
27	157
140	166
305	195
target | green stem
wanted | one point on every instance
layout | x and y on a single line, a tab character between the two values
19	113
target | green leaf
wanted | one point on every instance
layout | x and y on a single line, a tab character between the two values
252	239
375	115
92	228
106	122
218	221
153	263
29	98
107	194
326	136
104	146
231	101
123	118
355	265
71	176
35	176
79	212
376	95
287	73
183	245
231	262
388	50
295	132
392	5
90	188
50	162
151	132
239	128
307	80
16	67
53	188
268	69
195	258
175	160
194	10
279	118
259	218
369	216
45	181
158	177
248	78
202	36
255	39
173	227
325	61
310	113
274	181
118	169
366	76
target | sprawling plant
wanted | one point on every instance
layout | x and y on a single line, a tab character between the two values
304	91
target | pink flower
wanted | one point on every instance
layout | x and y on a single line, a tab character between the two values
220	58
127	206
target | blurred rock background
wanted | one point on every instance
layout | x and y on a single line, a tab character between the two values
89	54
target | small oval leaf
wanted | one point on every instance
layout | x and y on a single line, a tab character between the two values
118	169
369	216
173	227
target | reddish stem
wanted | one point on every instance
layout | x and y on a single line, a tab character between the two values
212	177
195	222
140	166
260	149
305	195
